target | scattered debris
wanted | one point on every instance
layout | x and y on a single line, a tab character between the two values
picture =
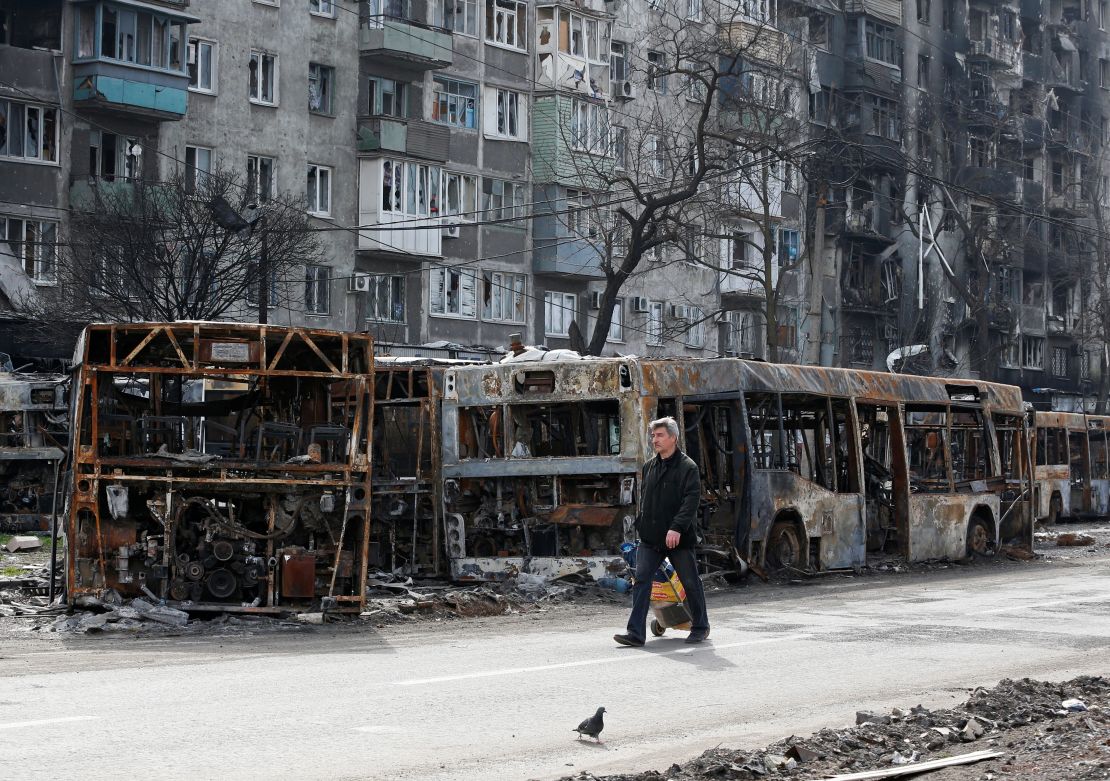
920	767
910	742
1074	540
1074	705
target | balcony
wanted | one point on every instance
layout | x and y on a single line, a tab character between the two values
142	70
146	93
1070	202
866	224
410	137
989	181
1033	319
1063	73
574	259
405	44
419	228
85	191
1003	54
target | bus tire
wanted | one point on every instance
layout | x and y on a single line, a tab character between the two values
980	542
784	549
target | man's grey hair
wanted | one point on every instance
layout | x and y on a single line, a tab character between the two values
668	423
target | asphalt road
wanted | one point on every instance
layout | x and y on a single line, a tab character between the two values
497	698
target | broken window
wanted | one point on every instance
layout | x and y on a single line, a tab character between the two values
970	459
1008	433
31	24
927	449
1052	447
811	436
1077	456
1100	466
559	430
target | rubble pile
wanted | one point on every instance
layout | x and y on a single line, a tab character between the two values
1017	718
391	598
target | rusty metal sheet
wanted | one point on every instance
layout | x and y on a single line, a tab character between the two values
298	575
939	522
585	515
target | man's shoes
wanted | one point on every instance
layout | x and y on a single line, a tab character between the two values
627	639
697	637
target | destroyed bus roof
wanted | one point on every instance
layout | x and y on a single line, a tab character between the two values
602	378
174	337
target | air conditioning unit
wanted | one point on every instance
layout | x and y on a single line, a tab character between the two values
626	90
450	228
639	304
358	283
595	299
680	311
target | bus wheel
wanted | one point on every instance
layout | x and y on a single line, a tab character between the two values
979	542
1055	507
784	548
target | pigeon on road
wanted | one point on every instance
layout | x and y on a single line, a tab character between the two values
592	726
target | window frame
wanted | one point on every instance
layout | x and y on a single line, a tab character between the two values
397	287
260	56
328	14
513	296
193	181
377	91
503	210
589	127
325	76
317	290
314	201
516	23
447	272
254	179
443	98
471	13
656	81
883	39
47	116
195	44
654	325
616	322
31	253
509	112
696	337
467	212
549	307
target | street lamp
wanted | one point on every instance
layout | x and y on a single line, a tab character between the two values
230	220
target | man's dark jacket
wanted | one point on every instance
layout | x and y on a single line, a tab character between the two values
670	491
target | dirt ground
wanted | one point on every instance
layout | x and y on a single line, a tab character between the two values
1044	731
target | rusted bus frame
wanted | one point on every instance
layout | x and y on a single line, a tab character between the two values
667	378
493	386
428	422
90	469
1058	491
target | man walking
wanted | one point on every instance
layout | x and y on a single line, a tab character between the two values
670	490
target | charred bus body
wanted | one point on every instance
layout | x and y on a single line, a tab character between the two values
1072	473
221	466
34	436
802	467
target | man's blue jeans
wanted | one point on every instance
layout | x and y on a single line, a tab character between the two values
648	560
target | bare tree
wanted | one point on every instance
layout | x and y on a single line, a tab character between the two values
141	250
707	144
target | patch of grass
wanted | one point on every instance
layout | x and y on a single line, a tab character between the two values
11	572
4	539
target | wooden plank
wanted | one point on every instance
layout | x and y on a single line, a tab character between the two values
281	349
916	767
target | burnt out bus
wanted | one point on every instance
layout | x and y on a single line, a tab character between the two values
803	468
221	466
1071	472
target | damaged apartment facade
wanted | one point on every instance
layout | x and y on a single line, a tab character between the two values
993	119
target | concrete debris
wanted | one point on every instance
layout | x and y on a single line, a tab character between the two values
1074	540
22	543
919	739
972	730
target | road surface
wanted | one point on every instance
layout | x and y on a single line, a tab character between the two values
497	698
